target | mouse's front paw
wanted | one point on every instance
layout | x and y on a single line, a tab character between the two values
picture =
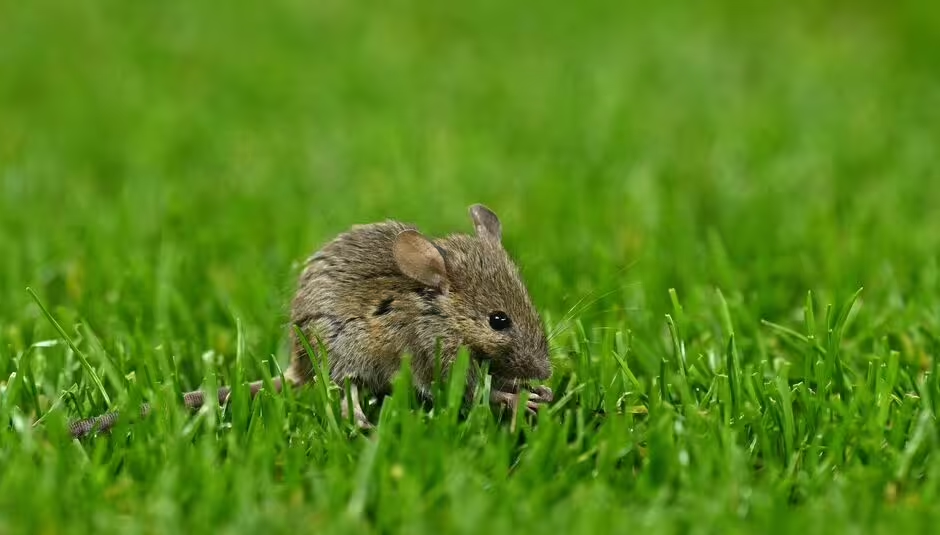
511	400
543	394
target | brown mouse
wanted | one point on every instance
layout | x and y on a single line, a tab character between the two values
383	290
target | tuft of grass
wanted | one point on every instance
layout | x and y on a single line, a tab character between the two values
696	194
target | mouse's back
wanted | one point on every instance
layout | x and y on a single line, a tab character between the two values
362	252
338	286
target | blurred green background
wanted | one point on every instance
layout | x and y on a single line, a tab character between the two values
165	166
768	148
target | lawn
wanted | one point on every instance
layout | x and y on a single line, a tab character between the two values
725	211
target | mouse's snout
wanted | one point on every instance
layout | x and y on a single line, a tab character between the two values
538	363
535	365
543	369
524	364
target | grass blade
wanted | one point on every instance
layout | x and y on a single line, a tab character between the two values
78	352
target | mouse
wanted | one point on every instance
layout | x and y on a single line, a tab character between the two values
379	292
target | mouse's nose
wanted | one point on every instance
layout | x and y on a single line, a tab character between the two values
543	369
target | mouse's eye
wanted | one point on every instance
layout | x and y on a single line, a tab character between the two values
499	321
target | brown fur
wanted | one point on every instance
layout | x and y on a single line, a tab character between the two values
354	299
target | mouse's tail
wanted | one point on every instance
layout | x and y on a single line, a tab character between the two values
192	400
100	424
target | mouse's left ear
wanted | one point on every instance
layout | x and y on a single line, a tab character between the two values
486	223
419	259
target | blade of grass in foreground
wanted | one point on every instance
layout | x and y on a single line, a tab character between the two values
78	352
321	378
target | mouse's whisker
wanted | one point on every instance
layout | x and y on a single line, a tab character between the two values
581	306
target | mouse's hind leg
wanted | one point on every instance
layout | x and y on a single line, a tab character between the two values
352	402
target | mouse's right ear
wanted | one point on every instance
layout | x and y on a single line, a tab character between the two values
486	223
420	260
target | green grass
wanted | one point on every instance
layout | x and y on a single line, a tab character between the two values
695	192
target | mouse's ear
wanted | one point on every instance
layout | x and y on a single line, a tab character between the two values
420	260
486	223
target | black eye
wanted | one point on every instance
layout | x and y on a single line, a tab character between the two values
499	321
